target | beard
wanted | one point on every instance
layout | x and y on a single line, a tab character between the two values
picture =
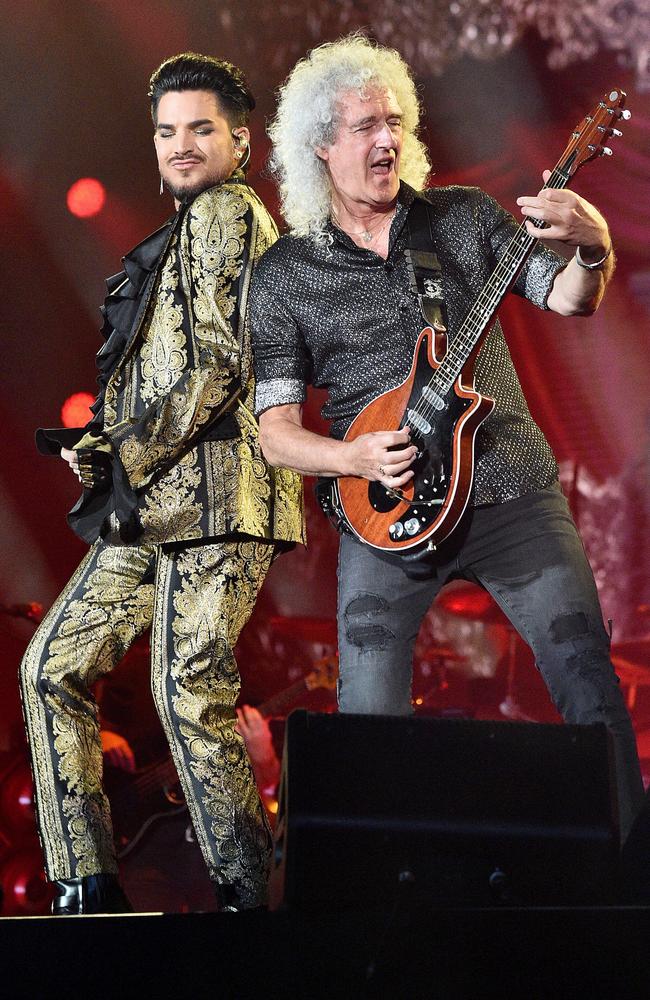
185	193
188	192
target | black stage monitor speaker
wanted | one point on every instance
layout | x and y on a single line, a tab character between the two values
456	812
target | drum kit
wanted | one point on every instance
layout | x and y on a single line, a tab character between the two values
437	663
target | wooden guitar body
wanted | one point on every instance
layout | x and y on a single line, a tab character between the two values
431	504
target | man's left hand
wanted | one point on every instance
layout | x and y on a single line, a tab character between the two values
117	750
570	219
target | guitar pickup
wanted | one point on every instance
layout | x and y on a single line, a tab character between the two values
432	397
421	425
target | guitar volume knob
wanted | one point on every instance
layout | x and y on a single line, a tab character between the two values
396	530
412	526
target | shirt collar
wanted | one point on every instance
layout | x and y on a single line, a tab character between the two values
405	198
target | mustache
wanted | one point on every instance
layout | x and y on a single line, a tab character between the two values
176	158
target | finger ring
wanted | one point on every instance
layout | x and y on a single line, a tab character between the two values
382	470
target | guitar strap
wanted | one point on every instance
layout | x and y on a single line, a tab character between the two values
425	273
425	280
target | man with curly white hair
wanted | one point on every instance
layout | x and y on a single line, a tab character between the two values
337	303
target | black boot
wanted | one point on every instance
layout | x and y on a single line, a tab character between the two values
89	894
232	900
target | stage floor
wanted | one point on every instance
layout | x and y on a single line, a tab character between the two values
407	953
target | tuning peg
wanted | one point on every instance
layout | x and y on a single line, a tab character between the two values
605	151
626	114
609	131
617	133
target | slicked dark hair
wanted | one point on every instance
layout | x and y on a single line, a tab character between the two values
191	71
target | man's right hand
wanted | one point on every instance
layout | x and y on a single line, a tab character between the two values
286	442
72	458
91	466
382	456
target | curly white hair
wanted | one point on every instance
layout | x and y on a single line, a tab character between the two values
308	114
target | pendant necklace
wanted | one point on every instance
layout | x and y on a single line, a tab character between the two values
366	234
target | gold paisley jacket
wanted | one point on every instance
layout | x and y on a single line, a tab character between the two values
176	403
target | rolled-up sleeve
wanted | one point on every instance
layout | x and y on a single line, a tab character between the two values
538	273
281	357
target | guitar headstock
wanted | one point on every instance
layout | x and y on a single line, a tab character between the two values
590	135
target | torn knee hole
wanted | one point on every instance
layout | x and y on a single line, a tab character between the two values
588	669
567	627
360	629
369	636
366	604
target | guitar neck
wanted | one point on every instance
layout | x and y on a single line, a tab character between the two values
500	281
277	704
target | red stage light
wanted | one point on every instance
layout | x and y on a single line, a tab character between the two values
86	197
75	412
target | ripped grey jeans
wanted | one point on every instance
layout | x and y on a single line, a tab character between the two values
528	555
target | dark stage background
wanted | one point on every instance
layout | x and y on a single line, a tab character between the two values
73	104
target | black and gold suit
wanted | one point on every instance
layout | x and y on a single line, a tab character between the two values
184	518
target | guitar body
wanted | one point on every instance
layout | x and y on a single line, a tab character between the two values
140	800
430	506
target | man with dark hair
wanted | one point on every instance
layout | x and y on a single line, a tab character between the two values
182	513
189	71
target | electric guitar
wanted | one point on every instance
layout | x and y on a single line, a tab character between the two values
439	402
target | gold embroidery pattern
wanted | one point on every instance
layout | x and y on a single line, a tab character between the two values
134	453
185	373
110	412
218	588
163	356
288	510
217	249
50	821
185	409
103	609
212	387
89	632
170	506
247	488
91	834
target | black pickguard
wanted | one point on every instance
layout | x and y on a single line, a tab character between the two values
433	466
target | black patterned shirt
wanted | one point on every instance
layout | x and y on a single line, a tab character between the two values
334	315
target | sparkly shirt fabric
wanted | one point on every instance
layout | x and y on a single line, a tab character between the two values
336	316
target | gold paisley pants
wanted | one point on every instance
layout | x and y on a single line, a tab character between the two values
196	601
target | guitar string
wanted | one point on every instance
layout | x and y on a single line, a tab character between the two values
513	258
506	271
496	287
161	773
